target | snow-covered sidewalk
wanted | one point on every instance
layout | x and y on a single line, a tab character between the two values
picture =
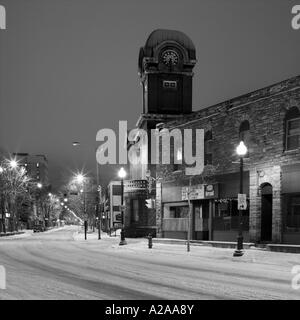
79	234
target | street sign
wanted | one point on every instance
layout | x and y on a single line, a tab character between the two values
196	192
242	201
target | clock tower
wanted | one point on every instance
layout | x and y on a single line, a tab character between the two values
166	65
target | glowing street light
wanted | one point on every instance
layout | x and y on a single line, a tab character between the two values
13	164
122	173
39	185
241	149
79	178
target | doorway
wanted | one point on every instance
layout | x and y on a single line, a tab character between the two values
266	212
200	220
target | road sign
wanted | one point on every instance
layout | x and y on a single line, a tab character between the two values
242	201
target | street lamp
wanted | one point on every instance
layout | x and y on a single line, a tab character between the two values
241	151
122	174
39	185
13	164
80	178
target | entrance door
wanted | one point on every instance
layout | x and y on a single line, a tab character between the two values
266	212
201	214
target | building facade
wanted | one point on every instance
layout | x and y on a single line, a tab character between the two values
36	167
267	121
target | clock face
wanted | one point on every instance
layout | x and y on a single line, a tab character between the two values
170	57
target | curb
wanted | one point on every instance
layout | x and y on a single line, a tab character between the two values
216	244
7	234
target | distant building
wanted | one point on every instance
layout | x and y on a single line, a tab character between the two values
36	167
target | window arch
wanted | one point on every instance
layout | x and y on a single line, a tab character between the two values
292	129
244	134
208	148
244	130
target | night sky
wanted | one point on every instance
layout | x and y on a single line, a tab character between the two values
69	67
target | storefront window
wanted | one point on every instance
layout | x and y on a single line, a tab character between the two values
293	213
227	215
179	212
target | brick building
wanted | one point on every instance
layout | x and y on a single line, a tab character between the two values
267	120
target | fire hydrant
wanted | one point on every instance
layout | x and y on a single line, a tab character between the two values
150	241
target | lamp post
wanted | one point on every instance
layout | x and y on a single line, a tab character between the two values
190	215
241	151
122	174
80	178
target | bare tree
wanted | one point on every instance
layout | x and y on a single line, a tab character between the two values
13	192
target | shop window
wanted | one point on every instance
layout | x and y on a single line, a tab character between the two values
293	213
244	134
208	148
227	215
292	127
179	212
135	210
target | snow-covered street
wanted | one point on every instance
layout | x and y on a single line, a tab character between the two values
61	265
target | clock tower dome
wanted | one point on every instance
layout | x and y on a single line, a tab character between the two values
166	65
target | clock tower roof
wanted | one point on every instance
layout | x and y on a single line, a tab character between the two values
163	35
